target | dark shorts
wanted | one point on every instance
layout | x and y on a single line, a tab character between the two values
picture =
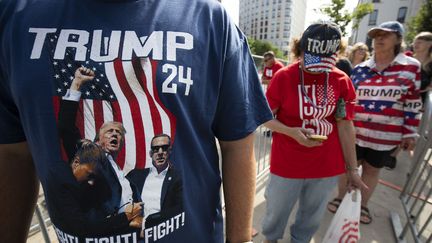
377	159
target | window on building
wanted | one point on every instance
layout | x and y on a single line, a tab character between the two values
402	14
373	17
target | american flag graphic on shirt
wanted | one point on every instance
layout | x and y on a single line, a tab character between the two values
122	91
316	117
316	63
388	103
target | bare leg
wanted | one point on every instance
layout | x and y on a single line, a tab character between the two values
370	177
19	189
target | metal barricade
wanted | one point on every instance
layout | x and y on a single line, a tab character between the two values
416	195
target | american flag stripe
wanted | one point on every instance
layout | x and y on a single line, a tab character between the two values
137	123
89	119
107	111
382	119
376	144
98	111
377	126
408	75
144	115
361	112
155	119
126	116
166	115
386	135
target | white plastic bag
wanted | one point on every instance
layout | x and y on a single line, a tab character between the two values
344	228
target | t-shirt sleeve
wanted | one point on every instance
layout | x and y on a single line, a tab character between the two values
242	106
348	93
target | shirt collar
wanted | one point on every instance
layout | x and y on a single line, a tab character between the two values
154	170
400	59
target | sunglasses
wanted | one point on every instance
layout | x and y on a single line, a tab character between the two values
156	148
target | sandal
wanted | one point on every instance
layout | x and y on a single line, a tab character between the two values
334	205
365	216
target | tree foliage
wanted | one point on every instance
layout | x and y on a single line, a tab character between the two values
343	17
259	47
420	22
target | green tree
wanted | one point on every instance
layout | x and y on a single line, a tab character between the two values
342	17
420	22
259	47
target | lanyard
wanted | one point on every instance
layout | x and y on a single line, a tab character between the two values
309	100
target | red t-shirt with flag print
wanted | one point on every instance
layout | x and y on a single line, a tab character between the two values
289	159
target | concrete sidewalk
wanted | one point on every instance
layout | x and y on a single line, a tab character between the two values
384	200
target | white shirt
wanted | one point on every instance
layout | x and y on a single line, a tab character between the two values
126	193
152	190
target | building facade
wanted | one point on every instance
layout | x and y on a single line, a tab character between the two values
385	10
276	21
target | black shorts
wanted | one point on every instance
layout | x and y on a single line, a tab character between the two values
376	158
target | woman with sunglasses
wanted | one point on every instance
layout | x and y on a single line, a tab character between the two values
358	53
312	142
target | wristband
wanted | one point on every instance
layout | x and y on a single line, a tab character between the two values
349	168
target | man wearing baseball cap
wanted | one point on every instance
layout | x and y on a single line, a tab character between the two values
312	144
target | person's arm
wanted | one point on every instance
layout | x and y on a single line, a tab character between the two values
238	174
67	129
297	133
411	108
19	189
347	140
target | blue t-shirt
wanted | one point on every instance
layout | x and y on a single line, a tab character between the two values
173	67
